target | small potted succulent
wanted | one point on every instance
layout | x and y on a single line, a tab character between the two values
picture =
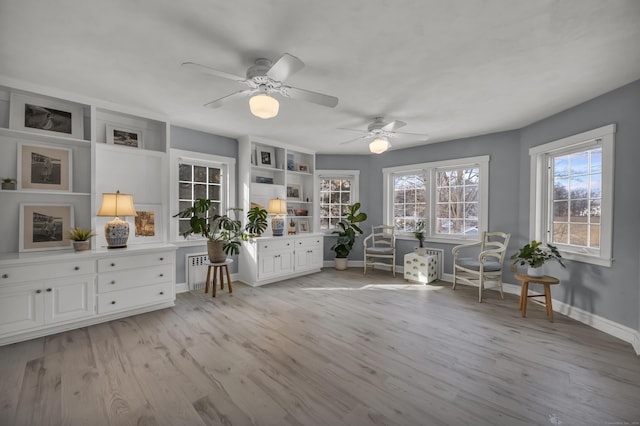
9	184
80	238
534	255
292	227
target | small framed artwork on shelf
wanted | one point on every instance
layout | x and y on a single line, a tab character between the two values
46	116
294	192
291	165
43	226
290	212
125	136
146	227
44	168
266	156
303	168
303	226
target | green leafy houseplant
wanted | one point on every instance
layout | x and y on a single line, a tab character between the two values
256	221
535	254
419	232
79	234
219	230
348	231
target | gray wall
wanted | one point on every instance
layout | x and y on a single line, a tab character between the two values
612	293
196	141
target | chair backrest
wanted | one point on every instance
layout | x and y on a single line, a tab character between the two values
495	241
383	235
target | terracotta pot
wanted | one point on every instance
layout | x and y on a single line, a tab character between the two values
81	245
215	251
341	263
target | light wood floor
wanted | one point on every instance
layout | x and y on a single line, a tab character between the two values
333	348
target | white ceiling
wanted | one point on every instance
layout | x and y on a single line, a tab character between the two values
449	68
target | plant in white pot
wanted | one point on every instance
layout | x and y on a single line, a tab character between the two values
347	235
534	255
80	238
224	235
419	234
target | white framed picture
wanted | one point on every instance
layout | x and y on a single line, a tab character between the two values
47	116
147	226
125	136
266	156
303	226
294	192
44	226
42	167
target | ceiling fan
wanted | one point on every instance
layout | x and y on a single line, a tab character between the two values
264	79
380	132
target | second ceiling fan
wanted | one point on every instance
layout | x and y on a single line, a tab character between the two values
380	133
264	79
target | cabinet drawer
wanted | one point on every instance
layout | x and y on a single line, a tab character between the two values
121	280
275	245
117	263
308	242
38	272
133	297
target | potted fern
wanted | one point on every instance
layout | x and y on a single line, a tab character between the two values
80	238
534	255
347	235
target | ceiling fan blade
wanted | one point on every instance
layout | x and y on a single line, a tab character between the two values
356	139
352	130
309	96
413	134
286	66
232	97
393	125
208	70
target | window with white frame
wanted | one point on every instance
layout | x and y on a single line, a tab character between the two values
572	195
338	189
197	175
450	197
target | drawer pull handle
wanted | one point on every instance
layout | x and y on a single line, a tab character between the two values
113	264
5	275
112	282
162	292
161	259
38	291
113	302
77	268
162	275
48	290
288	244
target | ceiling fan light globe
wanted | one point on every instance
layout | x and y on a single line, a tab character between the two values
264	106
379	145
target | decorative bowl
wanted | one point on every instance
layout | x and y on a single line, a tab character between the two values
301	212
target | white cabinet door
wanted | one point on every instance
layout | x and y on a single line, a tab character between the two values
21	307
273	263
69	298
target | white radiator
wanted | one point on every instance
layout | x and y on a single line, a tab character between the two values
439	253
196	270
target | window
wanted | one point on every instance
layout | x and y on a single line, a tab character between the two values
449	196
572	195
338	189
196	175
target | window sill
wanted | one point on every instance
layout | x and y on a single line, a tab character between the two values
453	240
580	257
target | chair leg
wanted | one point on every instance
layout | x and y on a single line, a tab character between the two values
454	278
394	265
500	284
365	264
480	287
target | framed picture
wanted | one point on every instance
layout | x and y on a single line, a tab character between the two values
303	226
291	165
262	179
46	116
294	192
303	168
290	212
43	226
266	156
125	136
146	227
44	168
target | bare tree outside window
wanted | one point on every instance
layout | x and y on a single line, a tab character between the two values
457	192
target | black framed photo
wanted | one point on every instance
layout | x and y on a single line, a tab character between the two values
266	156
124	136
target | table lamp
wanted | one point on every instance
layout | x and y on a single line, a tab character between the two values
277	207
116	231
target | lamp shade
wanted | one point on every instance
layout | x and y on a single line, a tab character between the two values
117	205
116	231
277	206
264	106
378	146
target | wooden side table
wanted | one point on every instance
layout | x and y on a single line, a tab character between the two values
218	268
546	281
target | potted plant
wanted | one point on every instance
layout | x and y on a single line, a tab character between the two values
80	238
8	183
224	234
534	255
347	235
292	227
419	234
256	221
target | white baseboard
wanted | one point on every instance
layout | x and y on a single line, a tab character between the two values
636	342
184	287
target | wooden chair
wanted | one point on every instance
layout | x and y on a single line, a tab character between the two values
488	264
379	246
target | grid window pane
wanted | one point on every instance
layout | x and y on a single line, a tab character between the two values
199	182
335	197
457	212
410	198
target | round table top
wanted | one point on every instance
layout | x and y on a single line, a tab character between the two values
226	262
546	279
